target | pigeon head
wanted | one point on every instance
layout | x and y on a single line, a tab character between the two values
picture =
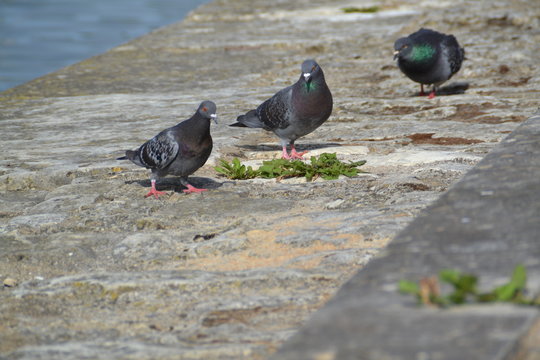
207	110
310	68
407	50
402	47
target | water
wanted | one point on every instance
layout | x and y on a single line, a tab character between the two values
41	36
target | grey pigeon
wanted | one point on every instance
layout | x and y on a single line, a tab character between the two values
179	150
429	57
294	111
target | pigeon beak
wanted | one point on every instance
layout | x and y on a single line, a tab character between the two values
396	54
307	76
214	116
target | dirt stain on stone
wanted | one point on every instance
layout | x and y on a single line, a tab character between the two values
490	119
518	82
427	138
263	251
478	114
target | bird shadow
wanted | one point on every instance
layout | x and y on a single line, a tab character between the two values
173	183
455	88
299	147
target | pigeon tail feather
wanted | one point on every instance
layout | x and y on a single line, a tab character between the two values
134	156
250	119
238	124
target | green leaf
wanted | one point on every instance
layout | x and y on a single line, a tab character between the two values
504	293
457	297
235	170
519	277
510	291
225	167
467	283
450	276
408	287
464	283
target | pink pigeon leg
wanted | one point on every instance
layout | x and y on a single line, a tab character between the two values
422	93
153	191
192	189
285	155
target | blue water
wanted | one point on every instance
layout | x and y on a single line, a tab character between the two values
41	36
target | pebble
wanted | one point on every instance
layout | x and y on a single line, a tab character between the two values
335	204
10	282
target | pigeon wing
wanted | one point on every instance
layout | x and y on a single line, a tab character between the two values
456	54
160	151
274	112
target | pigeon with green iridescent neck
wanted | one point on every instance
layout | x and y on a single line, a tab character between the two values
179	150
294	111
429	58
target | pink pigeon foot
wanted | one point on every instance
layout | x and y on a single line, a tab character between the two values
295	155
192	189
285	155
154	192
431	95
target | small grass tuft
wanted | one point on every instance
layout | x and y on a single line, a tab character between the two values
427	290
365	10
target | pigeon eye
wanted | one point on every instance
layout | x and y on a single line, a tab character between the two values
204	109
313	68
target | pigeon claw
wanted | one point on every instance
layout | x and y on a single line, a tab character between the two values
295	156
155	192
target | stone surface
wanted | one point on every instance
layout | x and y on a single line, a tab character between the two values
485	225
234	272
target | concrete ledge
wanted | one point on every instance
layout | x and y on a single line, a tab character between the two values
485	224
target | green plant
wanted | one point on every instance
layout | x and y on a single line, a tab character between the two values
235	170
282	168
368	9
329	167
326	166
465	289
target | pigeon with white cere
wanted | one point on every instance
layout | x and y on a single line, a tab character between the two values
294	111
179	150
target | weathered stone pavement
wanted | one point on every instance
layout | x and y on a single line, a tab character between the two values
103	272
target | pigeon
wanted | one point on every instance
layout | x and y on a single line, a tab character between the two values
179	150
294	111
429	58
